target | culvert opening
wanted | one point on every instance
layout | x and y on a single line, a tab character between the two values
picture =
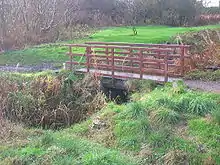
117	95
115	90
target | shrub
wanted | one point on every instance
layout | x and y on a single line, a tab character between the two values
167	102
165	116
53	101
161	138
134	110
204	75
179	87
216	116
201	106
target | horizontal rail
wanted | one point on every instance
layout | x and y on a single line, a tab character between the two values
144	54
120	58
139	44
120	47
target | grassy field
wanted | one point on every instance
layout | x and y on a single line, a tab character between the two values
161	124
169	125
55	53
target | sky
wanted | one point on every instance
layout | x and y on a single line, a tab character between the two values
212	2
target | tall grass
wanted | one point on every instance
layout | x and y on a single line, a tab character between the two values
51	101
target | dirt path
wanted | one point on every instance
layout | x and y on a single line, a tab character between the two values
35	68
209	86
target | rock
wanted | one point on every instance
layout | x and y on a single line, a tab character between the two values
201	148
98	123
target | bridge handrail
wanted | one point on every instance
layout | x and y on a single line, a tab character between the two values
119	47
139	44
162	56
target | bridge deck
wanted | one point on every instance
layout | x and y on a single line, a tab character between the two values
129	75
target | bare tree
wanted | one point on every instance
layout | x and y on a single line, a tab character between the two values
38	21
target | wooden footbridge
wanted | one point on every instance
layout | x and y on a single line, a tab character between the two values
159	62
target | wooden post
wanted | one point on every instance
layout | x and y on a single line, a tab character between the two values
113	62
131	55
141	64
71	57
107	54
182	61
158	57
166	69
88	54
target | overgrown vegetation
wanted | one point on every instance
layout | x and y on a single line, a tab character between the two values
204	75
169	125
204	50
49	101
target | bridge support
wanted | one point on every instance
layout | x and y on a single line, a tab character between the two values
114	89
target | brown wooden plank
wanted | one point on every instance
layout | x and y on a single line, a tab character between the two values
153	71
138	44
120	47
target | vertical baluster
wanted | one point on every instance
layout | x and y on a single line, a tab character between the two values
166	69
88	56
71	58
131	55
159	57
182	60
141	63
113	62
107	54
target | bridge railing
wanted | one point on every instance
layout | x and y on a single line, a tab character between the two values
180	52
130	59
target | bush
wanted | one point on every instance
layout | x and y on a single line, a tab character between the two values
165	116
204	75
161	138
216	116
53	101
201	106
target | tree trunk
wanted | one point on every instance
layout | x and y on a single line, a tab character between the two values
3	24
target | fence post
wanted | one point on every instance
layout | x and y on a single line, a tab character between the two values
113	62
88	54
166	69
71	57
141	63
182	61
107	54
131	55
159	56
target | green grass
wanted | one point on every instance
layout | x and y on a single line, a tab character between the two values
208	135
130	135
56	148
55	53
